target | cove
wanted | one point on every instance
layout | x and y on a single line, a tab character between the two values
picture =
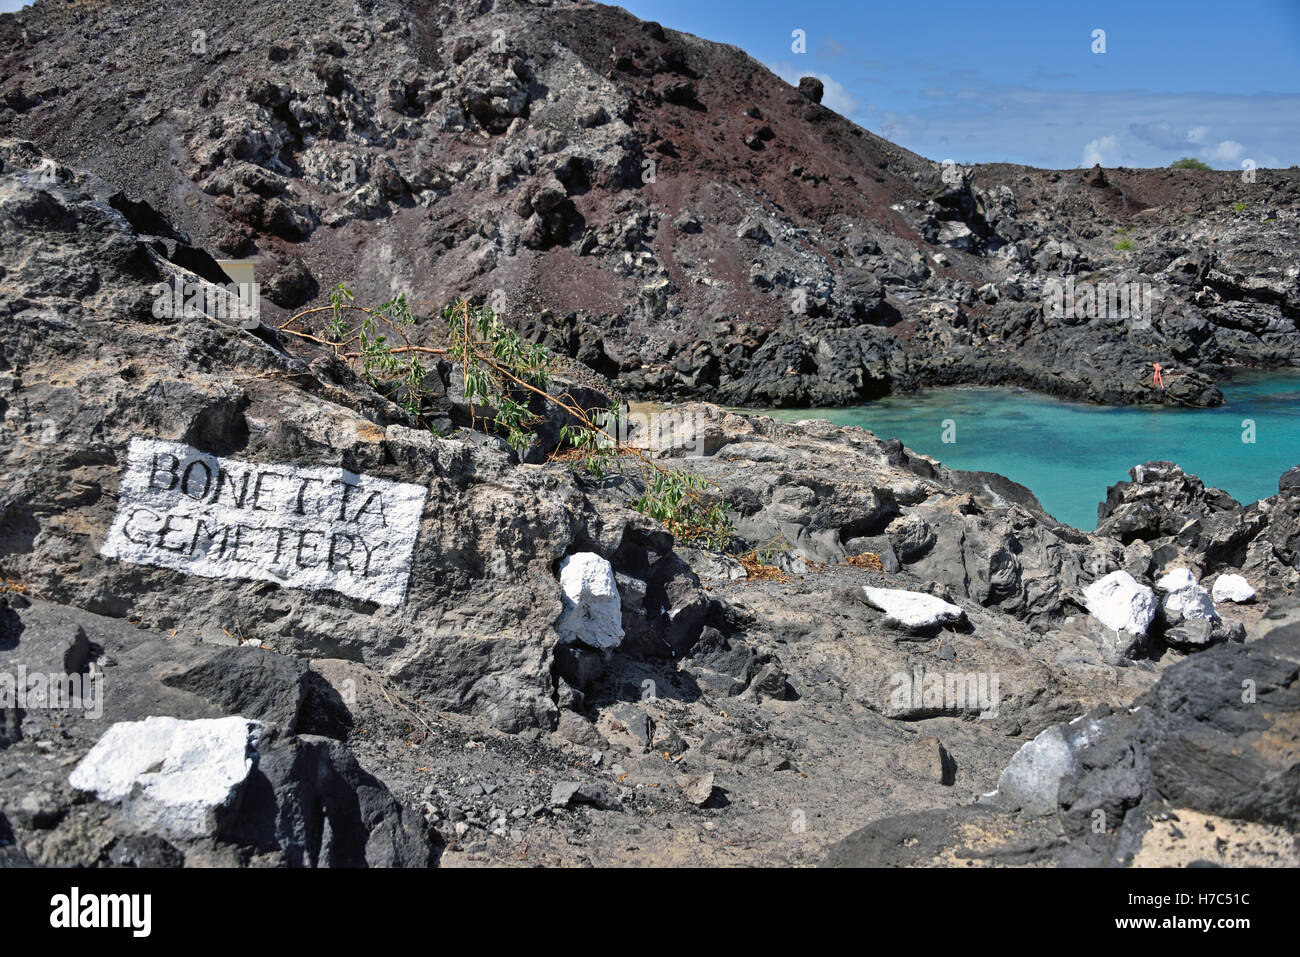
1069	453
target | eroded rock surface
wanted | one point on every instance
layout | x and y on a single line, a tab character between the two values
1214	740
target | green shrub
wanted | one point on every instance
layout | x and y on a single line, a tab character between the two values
502	375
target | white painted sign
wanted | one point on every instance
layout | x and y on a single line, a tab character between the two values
301	527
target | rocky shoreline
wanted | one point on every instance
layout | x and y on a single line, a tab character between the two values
562	683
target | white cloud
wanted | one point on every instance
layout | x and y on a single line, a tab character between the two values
834	96
1048	127
1099	150
1197	134
1228	151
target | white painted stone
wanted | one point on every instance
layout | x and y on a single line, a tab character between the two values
1175	580
913	609
171	776
1032	778
1120	603
1184	597
1194	602
314	528
1232	588
593	611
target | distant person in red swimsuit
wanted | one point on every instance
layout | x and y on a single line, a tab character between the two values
1156	380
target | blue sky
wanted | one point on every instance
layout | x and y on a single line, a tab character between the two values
1017	81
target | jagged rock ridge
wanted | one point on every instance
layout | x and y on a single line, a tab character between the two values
660	207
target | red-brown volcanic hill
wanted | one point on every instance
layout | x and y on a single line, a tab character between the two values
661	207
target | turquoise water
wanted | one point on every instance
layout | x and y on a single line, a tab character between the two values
1069	453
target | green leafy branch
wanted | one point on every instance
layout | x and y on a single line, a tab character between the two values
500	375
495	363
383	362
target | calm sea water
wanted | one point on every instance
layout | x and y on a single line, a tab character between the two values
1069	453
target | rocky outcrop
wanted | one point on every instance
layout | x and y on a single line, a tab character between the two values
1175	519
1107	788
206	785
503	151
473	642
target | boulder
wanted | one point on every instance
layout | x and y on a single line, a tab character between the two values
549	195
1185	745
1121	604
174	777
812	88
1184	598
697	789
1193	634
592	609
751	228
1232	588
1033	777
913	611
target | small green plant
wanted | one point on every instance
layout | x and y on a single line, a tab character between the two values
502	377
1188	162
498	371
1125	244
589	446
338	329
1238	207
497	365
676	499
393	370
